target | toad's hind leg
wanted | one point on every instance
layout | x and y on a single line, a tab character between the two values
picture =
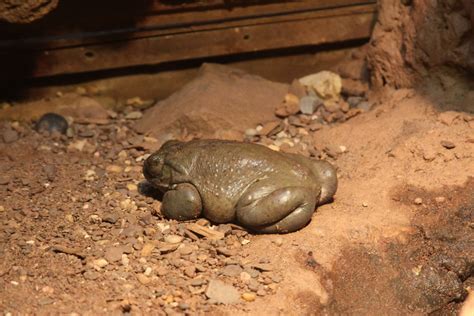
268	210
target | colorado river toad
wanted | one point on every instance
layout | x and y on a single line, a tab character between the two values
261	189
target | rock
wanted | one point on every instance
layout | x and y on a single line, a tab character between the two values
331	106
297	89
315	126
100	263
186	250
190	271
143	279
51	122
114	169
167	247
4	180
344	106
440	199
110	218
429	154
354	69
91	275
418	201
261	292
232	270
290	106
132	187
448	117
220	98
354	101
271	128
326	84
274	147
250	132
225	252
447	144
278	241
10	136
147	249
135	115
245	277
113	254
364	106
252	272
263	267
222	293
173	239
309	104
249	297
50	172
354	87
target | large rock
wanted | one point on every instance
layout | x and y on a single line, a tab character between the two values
220	99
25	11
411	38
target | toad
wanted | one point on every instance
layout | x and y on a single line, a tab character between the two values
226	181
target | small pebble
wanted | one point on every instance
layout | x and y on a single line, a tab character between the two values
143	279
100	263
135	115
173	239
4	180
190	271
278	241
418	201
251	132
440	199
10	136
51	122
249	297
447	144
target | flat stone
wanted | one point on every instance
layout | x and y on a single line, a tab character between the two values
135	115
143	279
271	128
4	180
113	254
262	267
447	144
309	104
100	263
232	270
10	136
147	249
173	239
222	293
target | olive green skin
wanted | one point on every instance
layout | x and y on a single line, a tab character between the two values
224	181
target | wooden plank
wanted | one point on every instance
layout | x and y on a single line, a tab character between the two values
311	29
156	20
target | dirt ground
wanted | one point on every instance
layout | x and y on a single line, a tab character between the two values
82	232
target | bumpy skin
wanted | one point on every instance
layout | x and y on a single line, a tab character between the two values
263	190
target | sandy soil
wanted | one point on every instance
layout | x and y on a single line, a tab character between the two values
77	237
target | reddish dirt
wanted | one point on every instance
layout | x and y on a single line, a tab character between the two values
396	240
